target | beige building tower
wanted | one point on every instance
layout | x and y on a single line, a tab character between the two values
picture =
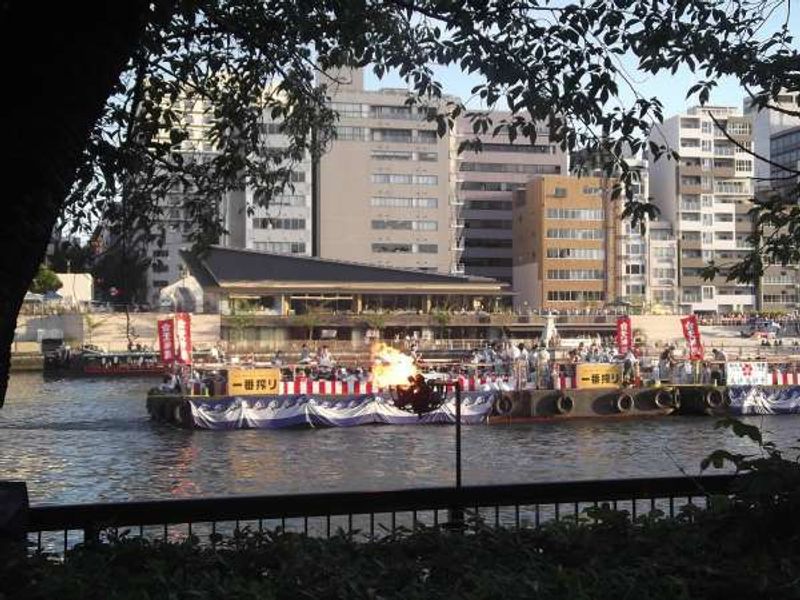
565	232
384	186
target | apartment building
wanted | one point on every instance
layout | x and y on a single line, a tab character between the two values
565	232
284	226
768	122
662	265
706	195
485	182
385	186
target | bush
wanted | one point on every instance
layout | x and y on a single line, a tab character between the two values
720	553
742	547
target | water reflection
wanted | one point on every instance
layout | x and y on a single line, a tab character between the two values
82	440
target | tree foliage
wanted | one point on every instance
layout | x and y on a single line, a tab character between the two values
45	281
241	63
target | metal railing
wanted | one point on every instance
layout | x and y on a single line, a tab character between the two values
368	514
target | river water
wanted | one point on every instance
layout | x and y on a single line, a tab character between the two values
83	440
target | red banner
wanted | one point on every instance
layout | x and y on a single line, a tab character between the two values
624	335
183	338
691	331
166	340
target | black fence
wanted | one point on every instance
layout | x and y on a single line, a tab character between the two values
367	514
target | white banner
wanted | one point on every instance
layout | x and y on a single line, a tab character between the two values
747	373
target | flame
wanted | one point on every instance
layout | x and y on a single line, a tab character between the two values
391	367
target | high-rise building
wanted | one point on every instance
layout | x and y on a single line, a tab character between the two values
780	284
565	240
285	225
662	265
384	185
766	123
706	195
485	182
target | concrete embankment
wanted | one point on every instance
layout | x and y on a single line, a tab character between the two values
27	362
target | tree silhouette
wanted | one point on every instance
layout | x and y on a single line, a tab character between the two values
98	112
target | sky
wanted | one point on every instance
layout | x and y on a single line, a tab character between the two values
670	89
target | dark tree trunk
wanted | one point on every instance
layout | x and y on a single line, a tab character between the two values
58	62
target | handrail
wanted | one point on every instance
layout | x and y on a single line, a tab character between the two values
199	510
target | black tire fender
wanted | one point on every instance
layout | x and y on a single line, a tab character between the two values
624	403
565	405
714	398
503	405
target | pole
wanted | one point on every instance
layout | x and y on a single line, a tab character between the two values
458	435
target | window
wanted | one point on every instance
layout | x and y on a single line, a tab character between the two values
707	201
635	289
391	155
428	156
560	192
706	127
692	272
739	128
398	202
345	133
385	247
635	249
744	165
634	269
592	191
575	234
723	236
581	214
691	253
426	179
391	135
664	296
487	224
664	252
576	274
576	253
525	148
490	186
405	225
510	168
281	247
391	112
690	216
707	237
707	145
690	143
425	136
347	109
663	273
575	296
274	223
489	243
488	205
160	283
723	217
288	200
160	253
405	179
708	220
159	267
487	262
708	292
398	178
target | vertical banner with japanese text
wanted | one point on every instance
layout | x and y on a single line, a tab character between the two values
183	338
624	334
691	331
166	340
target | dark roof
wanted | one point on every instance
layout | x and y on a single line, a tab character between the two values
219	265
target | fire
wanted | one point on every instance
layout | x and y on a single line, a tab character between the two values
391	367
